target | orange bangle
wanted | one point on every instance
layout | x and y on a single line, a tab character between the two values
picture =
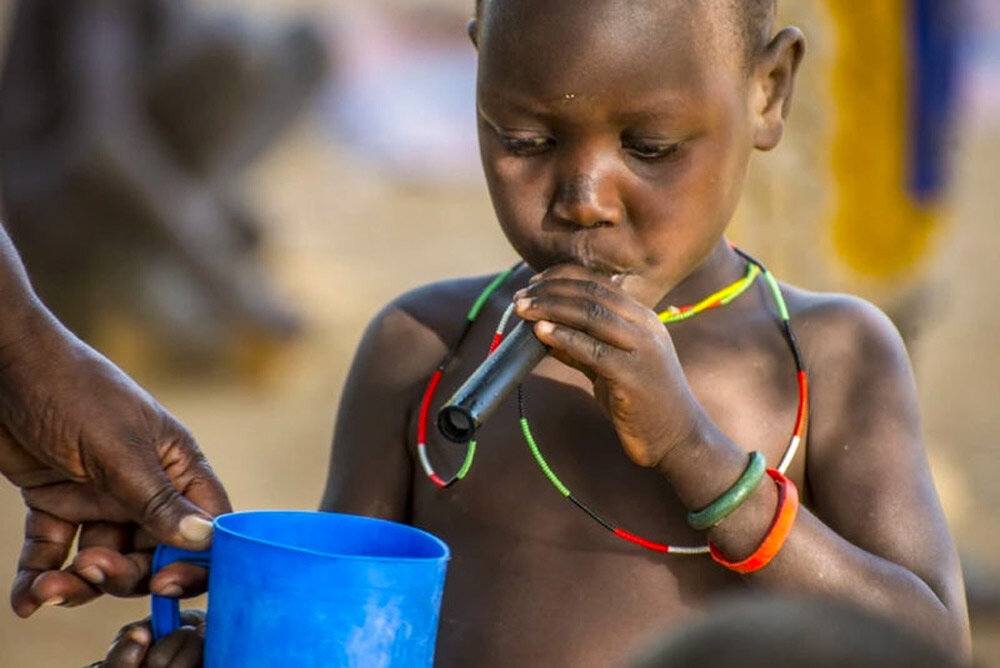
781	526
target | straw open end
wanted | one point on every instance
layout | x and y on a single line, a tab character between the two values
456	423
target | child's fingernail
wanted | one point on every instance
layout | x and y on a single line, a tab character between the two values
544	327
140	635
55	600
522	304
196	529
92	574
171	590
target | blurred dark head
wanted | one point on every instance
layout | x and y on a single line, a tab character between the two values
762	632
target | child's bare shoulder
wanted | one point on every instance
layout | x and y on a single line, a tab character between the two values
842	331
862	392
409	335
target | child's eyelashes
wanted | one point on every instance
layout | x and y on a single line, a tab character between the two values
649	151
526	146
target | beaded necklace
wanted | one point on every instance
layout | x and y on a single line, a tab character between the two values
671	315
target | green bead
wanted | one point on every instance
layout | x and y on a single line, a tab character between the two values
732	498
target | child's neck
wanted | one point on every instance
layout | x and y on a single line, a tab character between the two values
722	267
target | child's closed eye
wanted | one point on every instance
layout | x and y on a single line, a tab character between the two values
649	151
525	146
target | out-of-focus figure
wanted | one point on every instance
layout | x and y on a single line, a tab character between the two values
124	127
868	151
400	61
754	631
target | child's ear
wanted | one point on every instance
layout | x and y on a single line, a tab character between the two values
773	80
472	28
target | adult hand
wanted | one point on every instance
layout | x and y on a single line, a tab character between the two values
94	453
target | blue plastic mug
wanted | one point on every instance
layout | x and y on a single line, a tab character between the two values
297	588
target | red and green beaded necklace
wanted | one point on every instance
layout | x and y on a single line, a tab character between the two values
671	315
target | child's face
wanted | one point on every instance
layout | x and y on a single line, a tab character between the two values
614	134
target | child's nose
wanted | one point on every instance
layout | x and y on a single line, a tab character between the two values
587	200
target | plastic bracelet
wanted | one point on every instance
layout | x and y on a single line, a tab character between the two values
781	526
732	498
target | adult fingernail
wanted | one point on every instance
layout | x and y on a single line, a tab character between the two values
55	600
544	327
196	529
522	304
171	590
92	574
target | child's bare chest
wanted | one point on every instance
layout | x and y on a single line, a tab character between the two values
748	386
523	550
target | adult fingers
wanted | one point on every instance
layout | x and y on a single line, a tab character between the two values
156	498
180	580
47	543
116	573
34	590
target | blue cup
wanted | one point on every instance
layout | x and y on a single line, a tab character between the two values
297	588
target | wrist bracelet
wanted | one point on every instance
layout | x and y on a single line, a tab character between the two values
777	533
732	498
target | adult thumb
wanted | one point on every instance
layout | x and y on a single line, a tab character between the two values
175	509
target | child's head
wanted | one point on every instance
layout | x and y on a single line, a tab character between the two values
616	133
767	629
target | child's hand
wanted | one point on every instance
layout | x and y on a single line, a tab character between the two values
181	649
593	326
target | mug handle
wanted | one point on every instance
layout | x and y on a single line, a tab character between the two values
166	612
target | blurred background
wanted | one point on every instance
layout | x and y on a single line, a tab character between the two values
218	194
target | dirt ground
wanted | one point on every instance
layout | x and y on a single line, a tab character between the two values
343	242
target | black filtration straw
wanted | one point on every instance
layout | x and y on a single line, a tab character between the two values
475	401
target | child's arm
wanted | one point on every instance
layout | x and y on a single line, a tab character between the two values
370	467
875	533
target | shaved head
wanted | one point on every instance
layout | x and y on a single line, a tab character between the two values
751	21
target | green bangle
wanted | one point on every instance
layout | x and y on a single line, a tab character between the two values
732	498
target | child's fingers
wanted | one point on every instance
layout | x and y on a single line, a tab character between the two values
130	646
113	572
183	648
592	288
580	350
580	313
572	271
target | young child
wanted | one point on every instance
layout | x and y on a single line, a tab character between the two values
615	137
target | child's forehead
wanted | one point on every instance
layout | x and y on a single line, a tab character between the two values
587	44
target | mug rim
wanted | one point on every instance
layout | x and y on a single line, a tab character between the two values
219	524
